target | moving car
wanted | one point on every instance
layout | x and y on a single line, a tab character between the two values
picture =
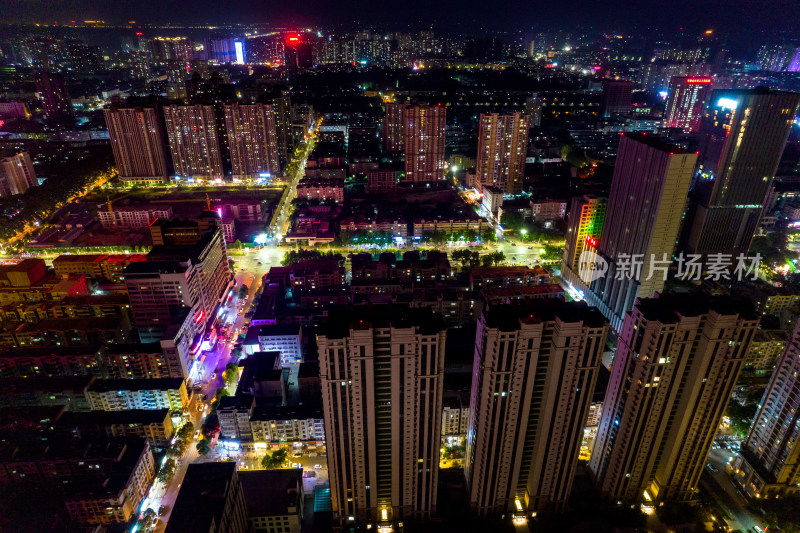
317	467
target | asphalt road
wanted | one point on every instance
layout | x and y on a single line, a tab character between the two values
720	486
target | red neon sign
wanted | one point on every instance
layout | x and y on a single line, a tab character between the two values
698	80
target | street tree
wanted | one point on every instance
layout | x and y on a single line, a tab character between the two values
203	447
275	460
167	471
230	374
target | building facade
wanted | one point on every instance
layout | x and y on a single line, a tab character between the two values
382	395
643	218
125	394
393	127
423	142
211	500
685	102
137	140
502	148
728	208
769	463
585	220
677	361
16	174
534	374
194	141
252	140
132	218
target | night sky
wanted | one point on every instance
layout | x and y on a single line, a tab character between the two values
464	15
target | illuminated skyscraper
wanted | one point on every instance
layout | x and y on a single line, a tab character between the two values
16	174
687	96
794	63
252	140
137	141
616	98
726	210
423	140
502	147
281	100
769	464
392	129
55	98
193	141
775	57
643	217
382	378
677	361
163	49
533	108
534	374
585	221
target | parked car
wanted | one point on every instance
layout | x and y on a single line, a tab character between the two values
298	454
317	467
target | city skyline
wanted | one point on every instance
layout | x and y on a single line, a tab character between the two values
364	267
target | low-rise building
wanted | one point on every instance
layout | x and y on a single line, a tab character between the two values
286	339
492	200
765	349
74	332
153	424
100	481
84	360
123	394
321	189
307	275
595	411
381	182
132	218
423	226
95	266
68	391
455	415
211	500
548	210
507	276
140	361
234	417
300	423
274	500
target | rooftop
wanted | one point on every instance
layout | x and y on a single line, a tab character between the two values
202	498
272	492
107	418
381	316
656	142
670	307
108	385
509	317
